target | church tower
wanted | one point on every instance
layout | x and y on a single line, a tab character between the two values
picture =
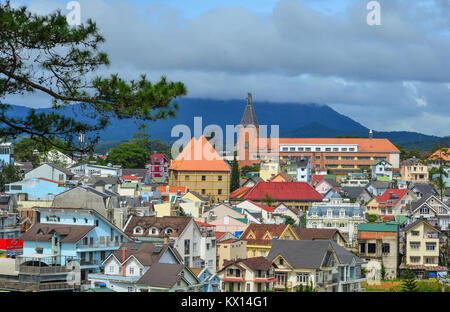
248	136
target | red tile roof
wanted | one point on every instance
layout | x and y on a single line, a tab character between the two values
283	191
130	177
440	154
172	189
240	192
48	180
260	231
219	234
203	223
387	196
316	178
199	155
364	144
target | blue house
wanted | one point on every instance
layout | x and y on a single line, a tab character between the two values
73	233
211	282
36	188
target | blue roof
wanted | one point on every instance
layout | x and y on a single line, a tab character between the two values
349	211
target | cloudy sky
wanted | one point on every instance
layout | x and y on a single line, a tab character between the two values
395	76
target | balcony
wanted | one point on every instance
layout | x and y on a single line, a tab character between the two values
36	287
23	269
108	245
85	262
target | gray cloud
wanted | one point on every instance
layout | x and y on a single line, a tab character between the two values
389	77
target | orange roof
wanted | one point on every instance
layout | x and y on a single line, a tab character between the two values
199	155
441	154
364	144
239	192
172	189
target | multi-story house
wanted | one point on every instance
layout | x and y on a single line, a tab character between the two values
185	234
230	248
339	214
377	188
422	189
9	223
266	212
382	168
208	175
431	209
259	237
220	211
50	171
355	179
298	195
159	166
357	194
299	168
35	190
414	170
208	245
299	264
393	202
422	249
379	246
124	268
247	275
269	168
282	211
73	233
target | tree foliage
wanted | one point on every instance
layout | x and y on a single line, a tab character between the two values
128	155
44	54
142	139
9	174
235	175
409	283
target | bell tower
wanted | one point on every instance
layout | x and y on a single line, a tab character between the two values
248	136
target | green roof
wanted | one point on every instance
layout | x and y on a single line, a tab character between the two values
401	219
383	179
159	179
243	220
378	227
128	185
100	289
237	209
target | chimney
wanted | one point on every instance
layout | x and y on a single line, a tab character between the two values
124	256
166	239
370	134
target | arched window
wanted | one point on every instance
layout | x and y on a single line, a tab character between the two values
169	231
154	231
138	230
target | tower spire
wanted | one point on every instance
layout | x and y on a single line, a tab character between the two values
249	117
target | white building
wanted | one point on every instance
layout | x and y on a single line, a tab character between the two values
337	213
92	169
381	168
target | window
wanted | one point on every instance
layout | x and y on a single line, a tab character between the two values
248	287
431	246
194	247
210	263
61	177
414	245
429	260
254	253
203	178
302	278
203	191
74	220
186	261
141	271
130	288
414	259
415	233
96	222
138	230
329	213
219	178
371	248
111	269
342	213
131	270
187	245
186	178
386	248
219	191
263	253
363	248
281	261
207	246
424	210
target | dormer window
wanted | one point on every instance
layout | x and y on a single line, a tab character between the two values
154	231
342	213
424	210
138	230
169	231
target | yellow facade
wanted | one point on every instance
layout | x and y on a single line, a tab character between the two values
262	250
422	245
372	207
213	184
417	173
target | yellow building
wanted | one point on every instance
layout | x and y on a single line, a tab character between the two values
372	207
201	169
414	170
230	249
259	237
422	248
269	168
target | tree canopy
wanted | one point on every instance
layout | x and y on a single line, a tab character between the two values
128	155
44	54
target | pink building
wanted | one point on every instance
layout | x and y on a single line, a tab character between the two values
159	166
